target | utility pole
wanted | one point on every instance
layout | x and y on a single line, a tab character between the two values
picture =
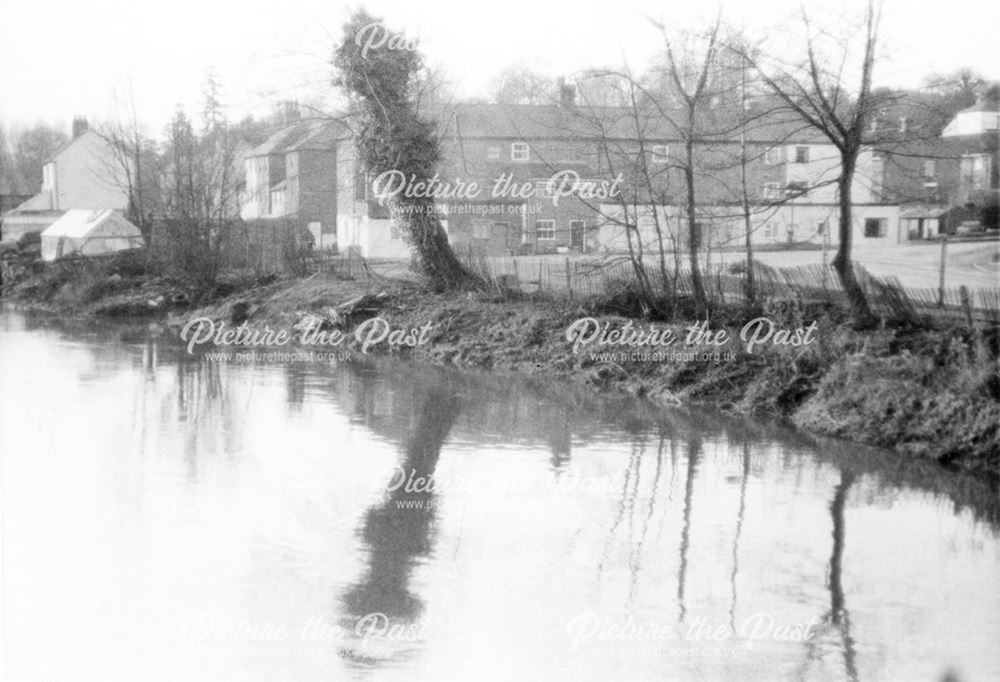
944	253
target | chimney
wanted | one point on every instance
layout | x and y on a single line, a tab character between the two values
287	111
80	126
567	93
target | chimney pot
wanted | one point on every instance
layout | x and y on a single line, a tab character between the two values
567	93
80	126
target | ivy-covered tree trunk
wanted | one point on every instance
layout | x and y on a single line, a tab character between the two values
378	69
428	241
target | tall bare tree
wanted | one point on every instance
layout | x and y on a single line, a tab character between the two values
816	88
132	163
688	74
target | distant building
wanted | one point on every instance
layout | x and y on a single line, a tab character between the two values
978	129
293	176
83	174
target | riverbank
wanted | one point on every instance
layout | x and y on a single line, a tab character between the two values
929	393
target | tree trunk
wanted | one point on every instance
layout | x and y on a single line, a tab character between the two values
700	305
860	311
751	289
432	253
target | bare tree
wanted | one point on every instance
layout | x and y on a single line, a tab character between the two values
688	74
131	164
521	84
28	149
200	193
816	89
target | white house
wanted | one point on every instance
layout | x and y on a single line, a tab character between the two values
84	174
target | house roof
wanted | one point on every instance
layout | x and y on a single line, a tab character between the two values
69	143
989	101
40	202
310	134
932	147
78	223
550	121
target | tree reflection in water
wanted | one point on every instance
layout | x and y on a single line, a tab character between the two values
694	453
836	622
399	531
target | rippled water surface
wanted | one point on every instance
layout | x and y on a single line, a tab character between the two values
168	517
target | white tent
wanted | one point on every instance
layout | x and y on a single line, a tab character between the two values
89	233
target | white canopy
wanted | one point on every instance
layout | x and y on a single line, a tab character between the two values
89	233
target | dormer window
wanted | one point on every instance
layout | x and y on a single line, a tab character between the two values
520	151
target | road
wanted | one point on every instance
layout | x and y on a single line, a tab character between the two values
975	265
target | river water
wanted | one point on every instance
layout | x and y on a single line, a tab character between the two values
177	517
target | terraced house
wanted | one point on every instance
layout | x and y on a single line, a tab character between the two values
569	177
292	178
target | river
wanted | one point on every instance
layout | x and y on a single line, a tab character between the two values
175	517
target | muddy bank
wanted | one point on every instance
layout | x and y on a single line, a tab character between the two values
929	393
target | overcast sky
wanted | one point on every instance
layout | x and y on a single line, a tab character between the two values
65	57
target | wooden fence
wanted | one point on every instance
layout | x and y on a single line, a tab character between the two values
576	278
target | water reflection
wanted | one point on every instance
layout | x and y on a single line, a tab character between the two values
271	492
399	531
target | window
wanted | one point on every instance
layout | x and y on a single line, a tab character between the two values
929	169
519	151
544	190
481	230
493	153
821	228
770	230
802	155
502	229
360	183
973	171
774	156
875	227
545	229
772	190
661	153
394	231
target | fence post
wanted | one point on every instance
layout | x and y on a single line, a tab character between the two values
963	293
944	252
569	280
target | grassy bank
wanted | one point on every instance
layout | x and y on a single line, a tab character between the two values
927	392
930	393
